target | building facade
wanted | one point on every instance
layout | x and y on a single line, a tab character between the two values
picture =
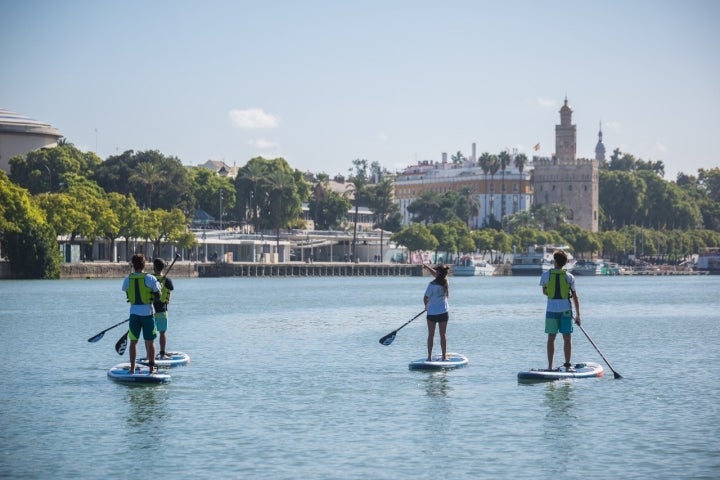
509	192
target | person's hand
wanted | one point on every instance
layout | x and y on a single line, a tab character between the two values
577	319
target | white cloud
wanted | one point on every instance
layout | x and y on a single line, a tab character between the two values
262	143
546	102
253	118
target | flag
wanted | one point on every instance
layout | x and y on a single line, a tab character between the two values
536	147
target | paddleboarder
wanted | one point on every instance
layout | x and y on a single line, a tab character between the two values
558	285
141	290
161	305
437	307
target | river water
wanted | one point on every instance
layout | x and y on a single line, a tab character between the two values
288	381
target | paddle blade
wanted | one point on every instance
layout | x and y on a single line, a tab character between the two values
96	337
617	375
389	338
121	345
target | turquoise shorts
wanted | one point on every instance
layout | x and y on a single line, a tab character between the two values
558	322
143	323
161	321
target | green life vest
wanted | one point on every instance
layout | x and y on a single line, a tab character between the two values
165	292
558	286
139	293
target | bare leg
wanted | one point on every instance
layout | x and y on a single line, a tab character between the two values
567	346
443	340
550	349
163	341
133	355
431	334
150	348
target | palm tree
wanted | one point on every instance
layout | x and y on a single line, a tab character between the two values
253	173
504	157
382	201
494	163
473	204
484	162
520	161
149	174
356	187
458	158
279	183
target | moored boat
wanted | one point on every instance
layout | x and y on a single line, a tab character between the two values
709	261
589	267
470	265
538	259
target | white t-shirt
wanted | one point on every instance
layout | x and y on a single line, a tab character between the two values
437	300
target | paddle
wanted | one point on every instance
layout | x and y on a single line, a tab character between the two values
121	344
388	339
101	334
616	374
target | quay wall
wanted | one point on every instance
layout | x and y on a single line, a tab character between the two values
236	269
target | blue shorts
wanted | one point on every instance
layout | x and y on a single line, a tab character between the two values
558	322
143	323
161	321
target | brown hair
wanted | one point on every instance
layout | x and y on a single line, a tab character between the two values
138	261
441	277
560	258
159	264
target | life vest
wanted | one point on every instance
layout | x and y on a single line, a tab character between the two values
139	293
165	292
558	286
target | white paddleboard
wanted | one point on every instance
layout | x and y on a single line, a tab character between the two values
121	373
580	370
175	359
454	360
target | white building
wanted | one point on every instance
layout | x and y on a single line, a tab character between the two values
20	135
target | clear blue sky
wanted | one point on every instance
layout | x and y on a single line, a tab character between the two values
322	83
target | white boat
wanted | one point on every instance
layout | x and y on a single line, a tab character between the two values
471	266
589	267
537	259
709	260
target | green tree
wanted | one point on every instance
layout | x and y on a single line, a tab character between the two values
416	238
45	170
29	243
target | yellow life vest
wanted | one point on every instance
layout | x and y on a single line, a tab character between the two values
139	293
558	286
165	292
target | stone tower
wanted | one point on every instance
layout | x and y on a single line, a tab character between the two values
567	180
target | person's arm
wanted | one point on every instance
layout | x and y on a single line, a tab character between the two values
576	302
432	270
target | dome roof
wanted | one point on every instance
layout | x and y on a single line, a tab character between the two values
11	122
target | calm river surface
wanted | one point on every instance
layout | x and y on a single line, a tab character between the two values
288	381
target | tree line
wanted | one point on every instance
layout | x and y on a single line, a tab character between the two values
64	192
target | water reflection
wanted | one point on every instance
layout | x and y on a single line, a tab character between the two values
559	428
437	384
147	405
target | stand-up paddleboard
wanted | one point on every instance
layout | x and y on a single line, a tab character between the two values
454	360
121	373
175	359
581	370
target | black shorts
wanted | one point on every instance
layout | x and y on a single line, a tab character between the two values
440	317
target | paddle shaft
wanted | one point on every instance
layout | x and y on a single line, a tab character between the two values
121	344
616	374
392	334
100	335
